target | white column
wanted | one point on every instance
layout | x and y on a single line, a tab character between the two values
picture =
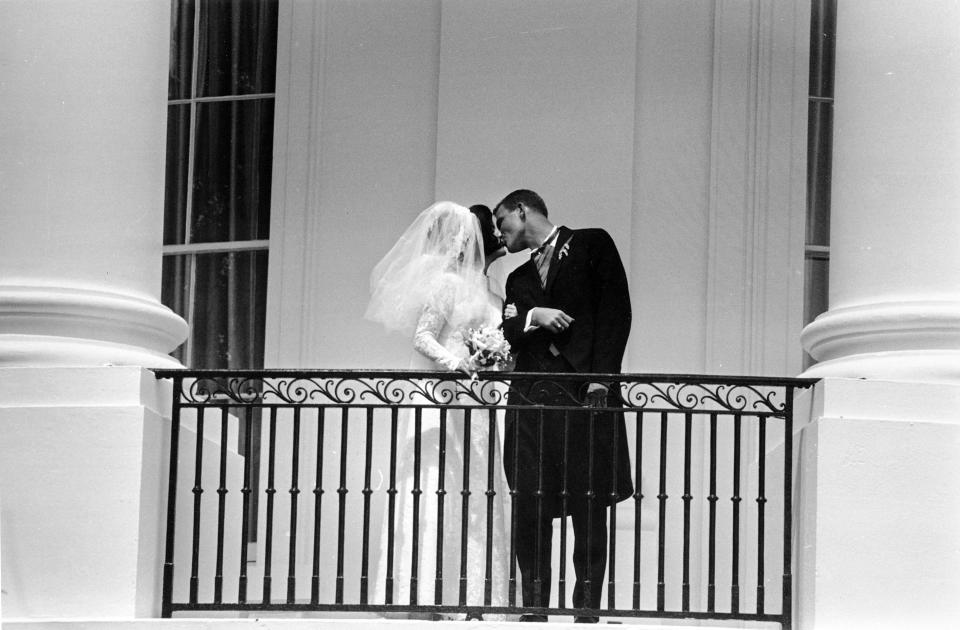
878	513
82	445
895	221
83	111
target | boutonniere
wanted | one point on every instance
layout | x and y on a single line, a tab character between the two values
565	249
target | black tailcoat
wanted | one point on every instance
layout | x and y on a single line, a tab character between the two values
587	281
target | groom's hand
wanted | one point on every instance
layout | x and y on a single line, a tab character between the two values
552	319
596	395
510	310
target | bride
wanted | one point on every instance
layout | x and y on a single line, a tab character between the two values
432	286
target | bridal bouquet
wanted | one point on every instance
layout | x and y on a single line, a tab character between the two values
488	348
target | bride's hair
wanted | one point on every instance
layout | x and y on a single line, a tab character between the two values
491	242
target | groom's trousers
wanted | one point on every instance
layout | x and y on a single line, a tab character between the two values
534	548
552	453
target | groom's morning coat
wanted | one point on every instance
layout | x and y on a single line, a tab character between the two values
586	280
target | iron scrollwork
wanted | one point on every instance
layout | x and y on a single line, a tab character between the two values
412	388
722	397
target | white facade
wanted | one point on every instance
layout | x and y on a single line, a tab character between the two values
679	127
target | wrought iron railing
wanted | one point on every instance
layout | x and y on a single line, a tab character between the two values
319	474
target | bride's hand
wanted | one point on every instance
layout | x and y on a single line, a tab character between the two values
510	310
468	367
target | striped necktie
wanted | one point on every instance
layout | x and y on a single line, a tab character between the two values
541	258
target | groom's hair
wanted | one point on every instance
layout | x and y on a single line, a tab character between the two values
527	197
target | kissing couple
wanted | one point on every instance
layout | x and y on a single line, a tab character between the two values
566	311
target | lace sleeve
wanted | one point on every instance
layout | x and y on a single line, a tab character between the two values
432	320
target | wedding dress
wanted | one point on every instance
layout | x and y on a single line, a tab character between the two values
431	286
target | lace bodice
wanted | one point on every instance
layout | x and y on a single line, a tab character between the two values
440	332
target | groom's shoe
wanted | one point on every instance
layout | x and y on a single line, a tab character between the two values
586	620
541	618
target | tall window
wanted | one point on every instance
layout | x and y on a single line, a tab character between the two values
823	28
219	162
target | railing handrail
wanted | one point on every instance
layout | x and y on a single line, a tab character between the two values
711	379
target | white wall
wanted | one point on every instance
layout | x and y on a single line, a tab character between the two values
678	126
355	162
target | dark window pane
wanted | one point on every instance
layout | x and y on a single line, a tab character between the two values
238	47
175	287
816	285
823	29
181	48
816	292
819	166
232	171
175	200
229	310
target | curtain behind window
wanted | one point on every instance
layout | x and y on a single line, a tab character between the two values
219	163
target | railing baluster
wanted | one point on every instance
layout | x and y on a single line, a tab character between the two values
245	492
786	609
391	504
687	430
712	534
294	499
441	495
415	554
221	509
491	495
612	563
317	511
197	492
537	569
591	504
270	492
564	497
342	492
735	499
761	505
465	507
367	491
166	610
662	497
637	512
514	516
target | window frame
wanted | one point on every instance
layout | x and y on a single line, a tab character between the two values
190	250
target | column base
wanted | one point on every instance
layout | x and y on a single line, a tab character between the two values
877	512
906	366
82	474
916	341
67	326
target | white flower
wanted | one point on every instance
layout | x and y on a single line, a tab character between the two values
488	347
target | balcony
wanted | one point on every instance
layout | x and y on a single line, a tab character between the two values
359	493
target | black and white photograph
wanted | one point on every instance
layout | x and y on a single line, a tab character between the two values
352	314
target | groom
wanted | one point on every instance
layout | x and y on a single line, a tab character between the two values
573	316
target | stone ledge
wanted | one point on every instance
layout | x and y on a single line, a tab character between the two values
268	623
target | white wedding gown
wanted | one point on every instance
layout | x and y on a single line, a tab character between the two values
440	345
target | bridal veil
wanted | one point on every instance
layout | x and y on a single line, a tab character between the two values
440	256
